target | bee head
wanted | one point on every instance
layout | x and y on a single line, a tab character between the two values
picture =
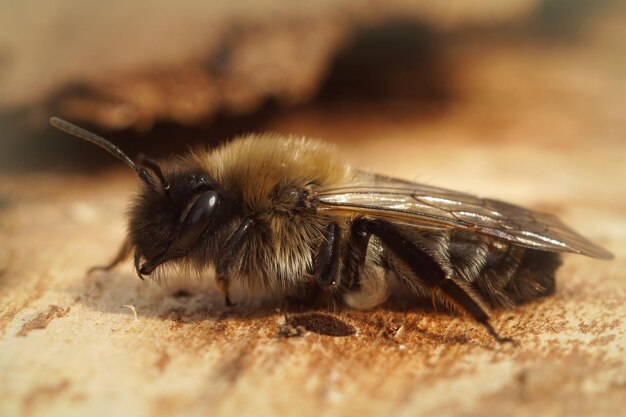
167	224
172	211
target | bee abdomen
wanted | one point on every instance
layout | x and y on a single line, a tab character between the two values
520	276
535	276
503	274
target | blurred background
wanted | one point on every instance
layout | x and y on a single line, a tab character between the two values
155	76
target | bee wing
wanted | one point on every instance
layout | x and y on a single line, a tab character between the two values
430	207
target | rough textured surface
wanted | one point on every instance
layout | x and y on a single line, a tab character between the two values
537	125
101	63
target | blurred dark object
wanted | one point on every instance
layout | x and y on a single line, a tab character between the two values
564	18
400	59
147	62
158	79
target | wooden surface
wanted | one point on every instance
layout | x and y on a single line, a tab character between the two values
537	125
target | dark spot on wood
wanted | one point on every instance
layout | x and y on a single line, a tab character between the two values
163	360
174	314
323	324
43	394
43	319
232	368
522	383
5	257
182	294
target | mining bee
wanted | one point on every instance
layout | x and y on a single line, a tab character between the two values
286	216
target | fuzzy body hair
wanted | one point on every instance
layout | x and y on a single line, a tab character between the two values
265	176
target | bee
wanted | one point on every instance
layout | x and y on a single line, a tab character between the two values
287	216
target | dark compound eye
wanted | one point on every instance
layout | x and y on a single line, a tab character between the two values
197	220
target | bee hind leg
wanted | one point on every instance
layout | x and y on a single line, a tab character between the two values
230	255
430	273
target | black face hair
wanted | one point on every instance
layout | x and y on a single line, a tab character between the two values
79	132
165	227
160	235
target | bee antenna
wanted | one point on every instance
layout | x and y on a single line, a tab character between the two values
154	167
79	132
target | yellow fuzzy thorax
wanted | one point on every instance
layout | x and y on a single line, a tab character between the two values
256	164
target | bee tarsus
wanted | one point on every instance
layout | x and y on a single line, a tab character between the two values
221	282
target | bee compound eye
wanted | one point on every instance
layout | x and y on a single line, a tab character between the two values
197	220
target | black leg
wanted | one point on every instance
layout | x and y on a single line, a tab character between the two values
328	259
355	254
230	254
429	271
122	254
222	285
462	298
137	263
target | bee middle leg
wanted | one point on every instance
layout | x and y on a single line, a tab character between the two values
427	269
230	255
328	258
364	283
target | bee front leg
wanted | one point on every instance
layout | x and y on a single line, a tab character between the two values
230	255
122	254
221	282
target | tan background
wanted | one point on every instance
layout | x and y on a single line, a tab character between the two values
533	121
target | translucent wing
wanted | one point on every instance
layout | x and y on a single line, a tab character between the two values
421	205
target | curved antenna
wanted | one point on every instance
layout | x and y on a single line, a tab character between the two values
79	132
155	168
